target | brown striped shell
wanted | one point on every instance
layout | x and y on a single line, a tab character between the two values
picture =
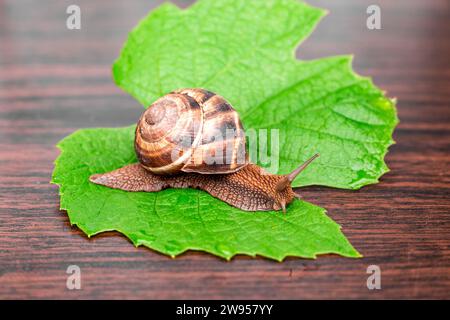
191	130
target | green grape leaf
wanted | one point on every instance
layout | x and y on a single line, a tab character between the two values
242	50
175	220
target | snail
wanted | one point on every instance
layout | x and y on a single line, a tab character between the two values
193	138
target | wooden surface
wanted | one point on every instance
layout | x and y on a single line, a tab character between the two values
54	81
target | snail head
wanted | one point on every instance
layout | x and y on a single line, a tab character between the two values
284	193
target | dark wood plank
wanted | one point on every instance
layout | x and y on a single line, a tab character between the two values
54	81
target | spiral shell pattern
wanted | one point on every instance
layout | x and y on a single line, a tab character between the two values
191	130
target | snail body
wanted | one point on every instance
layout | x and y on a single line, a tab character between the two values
193	138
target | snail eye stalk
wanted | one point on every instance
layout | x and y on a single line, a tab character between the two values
287	180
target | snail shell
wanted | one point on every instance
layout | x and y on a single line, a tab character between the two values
191	130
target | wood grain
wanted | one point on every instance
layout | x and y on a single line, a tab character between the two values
54	81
